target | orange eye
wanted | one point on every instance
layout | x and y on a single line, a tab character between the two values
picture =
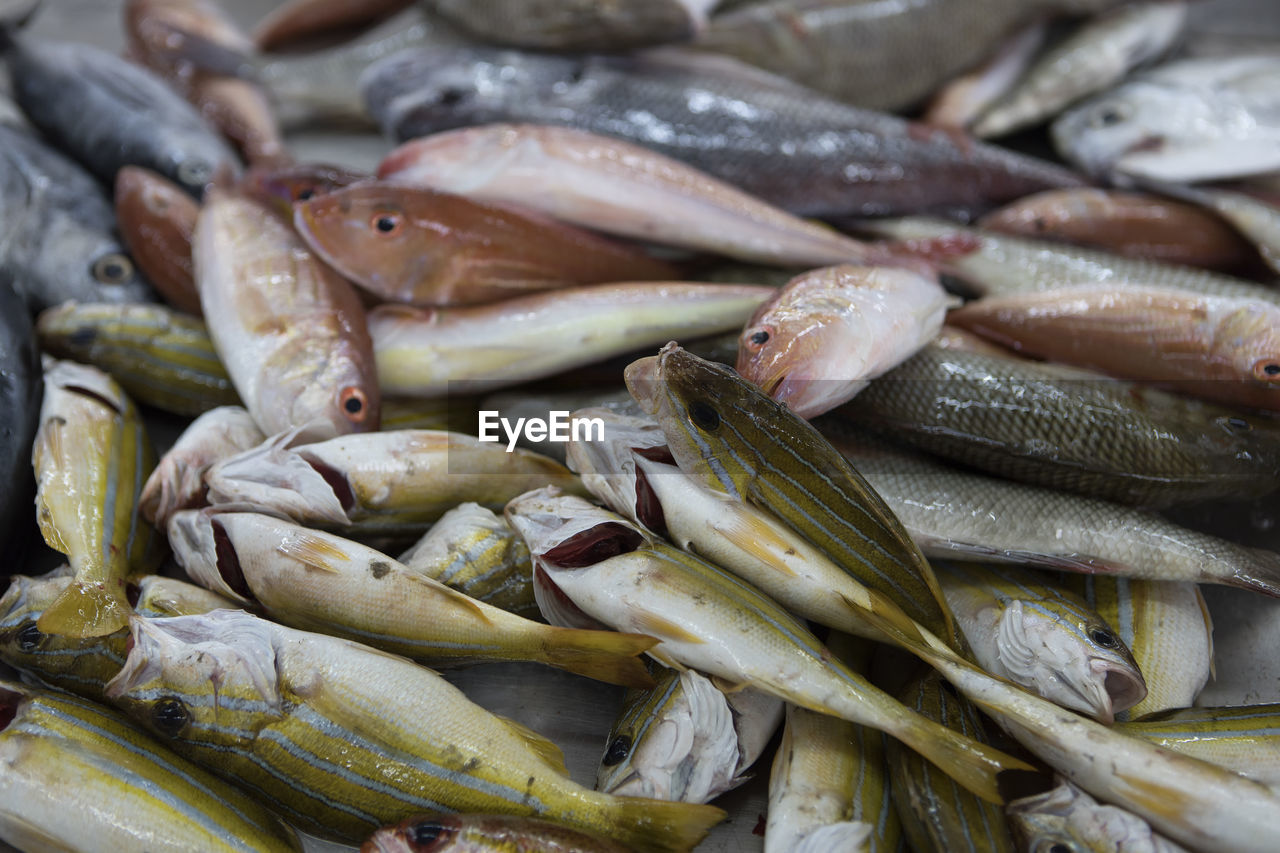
1267	369
354	404
387	223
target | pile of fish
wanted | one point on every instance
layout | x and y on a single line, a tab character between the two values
702	349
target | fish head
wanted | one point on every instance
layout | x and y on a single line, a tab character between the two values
787	348
202	547
608	468
277	477
417	835
1117	134
1250	338
280	186
20	607
92	265
1065	819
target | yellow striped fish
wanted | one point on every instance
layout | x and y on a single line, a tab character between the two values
1245	738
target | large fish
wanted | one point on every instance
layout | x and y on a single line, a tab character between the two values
157	219
342	739
577	25
781	142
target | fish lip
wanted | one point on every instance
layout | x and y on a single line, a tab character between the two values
1120	685
144	639
643	380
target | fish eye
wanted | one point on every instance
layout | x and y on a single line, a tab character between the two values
1106	639
305	194
1109	115
757	339
29	638
387	223
170	715
1058	847
451	96
1267	370
194	172
1238	424
704	415
619	748
114	268
354	404
427	832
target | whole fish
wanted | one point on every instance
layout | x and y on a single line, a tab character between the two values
342	739
108	113
388	483
91	457
685	739
302	19
576	25
1256	218
1186	121
1043	637
1245	739
178	480
81	777
157	220
1130	224
58	230
822	338
610	185
1067	428
960	102
20	396
1066	819
162	357
1094	58
318	581
422	247
466	833
281	186
769	137
433	352
474	550
290	331
708	620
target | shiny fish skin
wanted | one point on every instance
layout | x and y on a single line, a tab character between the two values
610	185
293	705
480	833
1069	818
1257	219
576	25
766	136
157	219
301	19
1245	738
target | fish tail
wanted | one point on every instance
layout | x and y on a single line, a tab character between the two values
607	656
1261	573
653	826
86	610
975	766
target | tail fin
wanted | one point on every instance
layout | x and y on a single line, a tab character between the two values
607	656
975	766
86	610
654	826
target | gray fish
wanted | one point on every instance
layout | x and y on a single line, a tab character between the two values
107	113
777	140
57	238
577	24
21	389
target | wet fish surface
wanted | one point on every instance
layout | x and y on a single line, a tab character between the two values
574	25
157	220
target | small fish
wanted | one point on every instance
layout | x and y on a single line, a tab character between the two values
157	220
1067	820
290	331
1042	637
342	739
421	247
603	183
425	352
962	101
822	338
1245	738
281	186
301	19
473	833
577	25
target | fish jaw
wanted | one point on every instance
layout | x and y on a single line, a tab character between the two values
608	468
274	477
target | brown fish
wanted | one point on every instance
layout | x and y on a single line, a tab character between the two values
472	833
300	19
281	186
427	248
156	218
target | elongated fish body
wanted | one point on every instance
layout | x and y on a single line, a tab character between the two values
474	550
1245	739
156	219
935	814
1168	629
710	621
388	483
1067	428
318	581
81	777
464	833
160	356
108	113
178	480
1183	122
1256	218
1094	58
610	185
970	516
577	25
961	101
20	395
59	241
685	740
290	331
771	138
343	739
422	247
1043	637
727	435
91	457
822	338
433	352
1068	817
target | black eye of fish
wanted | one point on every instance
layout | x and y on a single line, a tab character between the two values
449	97
428	832
113	269
170	716
760	338
1271	369
303	195
1239	424
618	749
704	416
1110	116
29	638
1059	848
1104	638
386	223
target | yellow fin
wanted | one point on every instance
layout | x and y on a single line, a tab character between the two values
652	825
759	540
477	609
729	687
313	549
547	751
665	629
607	656
86	610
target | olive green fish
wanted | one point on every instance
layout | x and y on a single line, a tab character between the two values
1245	739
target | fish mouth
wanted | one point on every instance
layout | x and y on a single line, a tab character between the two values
642	378
1123	687
139	666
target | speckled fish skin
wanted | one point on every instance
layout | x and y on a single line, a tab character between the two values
1094	58
576	25
822	338
1243	738
108	113
59	241
160	356
21	392
1184	122
1068	818
157	219
794	149
91	457
301	19
610	185
289	330
81	777
405	739
480	833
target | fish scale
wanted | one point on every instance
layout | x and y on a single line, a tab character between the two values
1245	739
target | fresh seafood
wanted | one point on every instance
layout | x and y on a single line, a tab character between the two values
610	185
960	102
1068	819
434	352
1256	218
822	338
20	396
577	24
281	186
300	19
459	833
1245	739
771	138
289	330
422	247
160	356
157	219
342	739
